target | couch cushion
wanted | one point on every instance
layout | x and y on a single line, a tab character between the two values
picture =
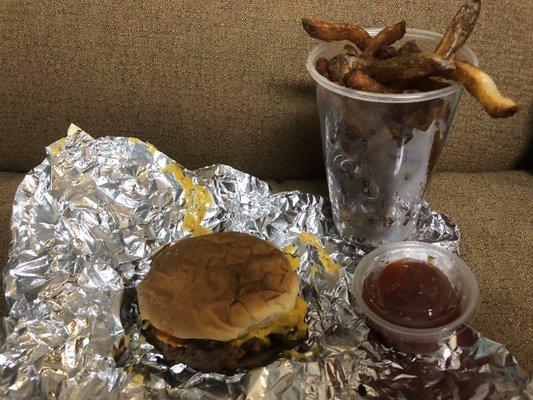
224	81
495	214
494	211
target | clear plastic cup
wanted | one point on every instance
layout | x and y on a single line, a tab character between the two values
411	340
380	149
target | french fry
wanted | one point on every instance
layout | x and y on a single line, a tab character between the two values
390	51
349	49
385	37
383	68
410	46
459	30
433	83
386	52
321	66
426	84
357	79
330	32
408	66
482	87
340	65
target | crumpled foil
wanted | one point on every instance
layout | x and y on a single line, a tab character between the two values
85	225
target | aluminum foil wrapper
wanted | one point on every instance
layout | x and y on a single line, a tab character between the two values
86	223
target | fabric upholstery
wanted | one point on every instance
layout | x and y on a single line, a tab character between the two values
225	81
494	211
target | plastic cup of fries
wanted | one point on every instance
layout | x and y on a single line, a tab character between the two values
380	147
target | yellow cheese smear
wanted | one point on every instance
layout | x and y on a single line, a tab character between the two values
329	265
197	199
293	321
289	249
293	260
56	148
151	148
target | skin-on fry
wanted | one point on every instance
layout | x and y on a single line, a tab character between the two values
419	84
321	66
459	30
330	32
384	68
431	83
482	87
385	37
351	50
390	51
408	66
409	47
359	80
341	64
386	52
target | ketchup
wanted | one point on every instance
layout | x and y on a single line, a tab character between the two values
412	294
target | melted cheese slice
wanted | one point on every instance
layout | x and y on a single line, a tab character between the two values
293	260
291	325
291	322
169	339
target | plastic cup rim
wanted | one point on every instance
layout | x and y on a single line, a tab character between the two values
465	52
414	333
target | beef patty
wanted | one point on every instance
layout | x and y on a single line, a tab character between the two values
216	356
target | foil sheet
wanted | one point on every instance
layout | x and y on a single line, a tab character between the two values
85	225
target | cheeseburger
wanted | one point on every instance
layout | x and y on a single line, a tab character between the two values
221	302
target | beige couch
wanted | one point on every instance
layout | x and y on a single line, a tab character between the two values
224	82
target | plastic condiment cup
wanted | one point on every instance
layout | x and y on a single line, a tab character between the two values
411	340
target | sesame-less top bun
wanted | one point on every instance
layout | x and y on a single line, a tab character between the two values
218	287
